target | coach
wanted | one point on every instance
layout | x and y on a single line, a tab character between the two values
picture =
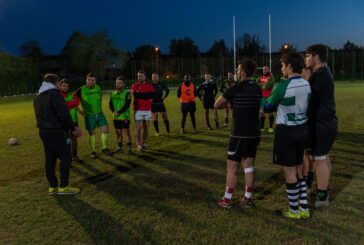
54	122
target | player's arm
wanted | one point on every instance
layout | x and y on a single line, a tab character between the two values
269	83
179	92
127	104
222	88
62	112
111	105
166	89
228	95
276	96
199	89
78	94
220	102
215	90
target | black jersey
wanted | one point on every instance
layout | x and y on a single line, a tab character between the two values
158	92
245	97
227	84
321	108
209	89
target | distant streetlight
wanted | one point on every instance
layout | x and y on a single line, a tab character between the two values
156	58
285	46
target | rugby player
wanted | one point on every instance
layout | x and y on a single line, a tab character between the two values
291	98
187	93
266	82
119	104
207	92
143	93
72	103
224	86
90	96
158	103
245	134
308	168
322	119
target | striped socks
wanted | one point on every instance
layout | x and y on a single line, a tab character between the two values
293	194
302	194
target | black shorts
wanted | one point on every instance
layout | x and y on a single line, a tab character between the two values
158	107
240	148
321	140
289	144
208	104
188	107
121	124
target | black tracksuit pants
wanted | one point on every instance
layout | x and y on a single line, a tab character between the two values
56	147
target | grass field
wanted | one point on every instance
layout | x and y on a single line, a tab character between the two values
165	195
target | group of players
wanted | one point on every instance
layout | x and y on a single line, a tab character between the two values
306	127
306	122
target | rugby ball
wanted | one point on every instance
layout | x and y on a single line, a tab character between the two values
13	141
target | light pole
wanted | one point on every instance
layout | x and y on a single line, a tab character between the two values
156	58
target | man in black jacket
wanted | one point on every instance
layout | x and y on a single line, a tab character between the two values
54	122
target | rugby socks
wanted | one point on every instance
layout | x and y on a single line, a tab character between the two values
217	124
248	189
166	122
303	194
208	124
120	145
193	120
248	193
228	194
129	146
310	178
91	140
271	121
262	119
104	139
155	123
322	194
293	193
226	120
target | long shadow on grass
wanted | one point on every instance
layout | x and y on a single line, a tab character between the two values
149	189
204	141
101	227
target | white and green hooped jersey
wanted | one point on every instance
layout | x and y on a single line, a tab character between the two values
291	98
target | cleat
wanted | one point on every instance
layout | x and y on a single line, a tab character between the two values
208	128
139	148
167	134
145	147
118	150
195	131
322	203
157	134
107	151
262	130
77	159
305	214
225	125
270	130
93	154
52	190
288	214
68	191
225	204
128	152
247	202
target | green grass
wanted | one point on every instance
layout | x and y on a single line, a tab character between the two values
165	195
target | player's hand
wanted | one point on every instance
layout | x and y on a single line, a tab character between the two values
82	113
116	113
75	133
163	97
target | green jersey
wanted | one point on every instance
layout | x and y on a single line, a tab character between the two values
118	101
73	111
291	98
91	99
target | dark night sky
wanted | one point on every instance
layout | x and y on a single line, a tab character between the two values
134	23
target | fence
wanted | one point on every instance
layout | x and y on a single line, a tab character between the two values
345	65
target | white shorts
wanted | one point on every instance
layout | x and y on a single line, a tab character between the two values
142	115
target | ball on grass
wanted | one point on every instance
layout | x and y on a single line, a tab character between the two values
13	141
